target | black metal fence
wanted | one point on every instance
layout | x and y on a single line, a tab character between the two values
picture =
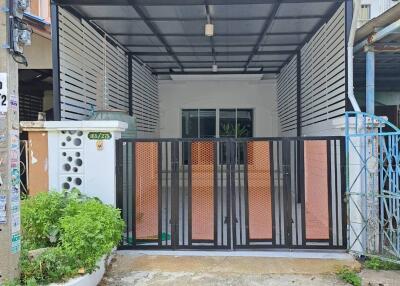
232	193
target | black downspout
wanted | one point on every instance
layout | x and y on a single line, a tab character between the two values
56	62
130	95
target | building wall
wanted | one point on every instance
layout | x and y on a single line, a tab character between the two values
374	8
379	6
38	54
259	95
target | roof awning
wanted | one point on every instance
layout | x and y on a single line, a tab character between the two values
168	35
382	34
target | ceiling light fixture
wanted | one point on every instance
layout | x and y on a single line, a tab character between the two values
209	30
215	67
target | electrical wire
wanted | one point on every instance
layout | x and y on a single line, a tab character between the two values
17	56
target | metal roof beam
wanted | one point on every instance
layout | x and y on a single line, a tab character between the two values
213	73
201	19
220	67
207	45
182	2
201	62
154	29
194	54
264	32
388	30
202	35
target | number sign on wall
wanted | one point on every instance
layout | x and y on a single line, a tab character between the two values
3	93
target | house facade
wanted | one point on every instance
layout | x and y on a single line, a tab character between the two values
243	131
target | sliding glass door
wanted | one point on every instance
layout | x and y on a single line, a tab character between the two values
199	123
202	123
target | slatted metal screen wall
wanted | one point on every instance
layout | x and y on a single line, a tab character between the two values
93	72
145	99
323	68
116	78
323	79
287	98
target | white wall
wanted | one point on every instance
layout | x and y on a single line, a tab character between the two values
260	95
379	6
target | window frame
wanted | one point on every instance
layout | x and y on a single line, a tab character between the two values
218	119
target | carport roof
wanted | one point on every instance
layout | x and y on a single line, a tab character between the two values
387	52
251	36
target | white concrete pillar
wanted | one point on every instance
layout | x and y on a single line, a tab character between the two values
81	154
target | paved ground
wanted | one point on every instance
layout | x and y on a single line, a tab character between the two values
380	278
143	269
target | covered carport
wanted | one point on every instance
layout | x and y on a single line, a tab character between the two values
256	36
377	65
299	45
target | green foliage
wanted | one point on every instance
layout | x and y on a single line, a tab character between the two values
75	232
231	130
53	265
40	219
350	276
375	263
100	226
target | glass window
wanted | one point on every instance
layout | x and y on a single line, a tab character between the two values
244	127
201	123
365	13
207	123
190	123
227	123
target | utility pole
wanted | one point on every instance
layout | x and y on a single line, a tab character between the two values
12	31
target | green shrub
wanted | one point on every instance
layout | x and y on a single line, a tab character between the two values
350	276
53	265
91	232
40	219
75	231
379	264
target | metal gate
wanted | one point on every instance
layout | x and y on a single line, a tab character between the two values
232	193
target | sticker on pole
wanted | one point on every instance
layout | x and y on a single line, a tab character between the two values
15	243
3	93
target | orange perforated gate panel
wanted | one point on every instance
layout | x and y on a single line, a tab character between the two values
259	190
203	190
316	189
146	190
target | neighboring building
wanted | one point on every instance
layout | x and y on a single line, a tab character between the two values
386	59
36	78
373	8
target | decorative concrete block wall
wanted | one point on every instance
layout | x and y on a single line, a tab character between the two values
81	155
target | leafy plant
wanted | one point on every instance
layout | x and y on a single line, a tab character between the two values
71	231
93	231
40	219
53	265
233	131
375	263
350	276
228	130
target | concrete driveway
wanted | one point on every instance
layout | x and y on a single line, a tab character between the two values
226	268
